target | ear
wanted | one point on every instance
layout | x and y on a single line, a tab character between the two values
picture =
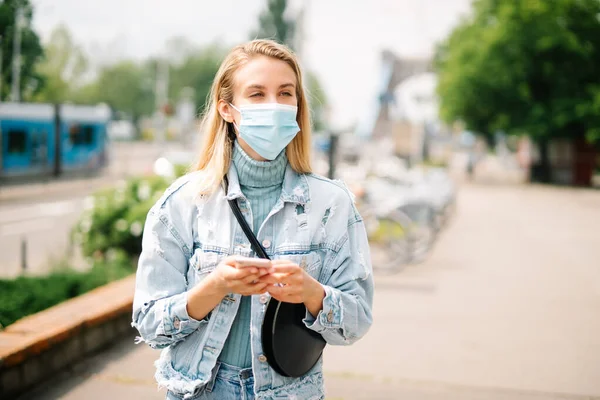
225	110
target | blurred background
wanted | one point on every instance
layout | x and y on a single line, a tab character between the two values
469	132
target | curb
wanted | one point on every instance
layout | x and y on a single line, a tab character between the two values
40	345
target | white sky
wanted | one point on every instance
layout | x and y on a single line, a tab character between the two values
344	38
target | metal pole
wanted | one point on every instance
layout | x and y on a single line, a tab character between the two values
1	62
162	96
16	73
333	141
23	254
57	142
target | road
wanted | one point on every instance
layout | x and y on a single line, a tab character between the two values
505	308
43	227
40	215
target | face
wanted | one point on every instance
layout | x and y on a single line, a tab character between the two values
261	80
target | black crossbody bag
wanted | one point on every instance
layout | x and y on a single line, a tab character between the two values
290	347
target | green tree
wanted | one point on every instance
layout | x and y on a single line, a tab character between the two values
197	70
31	49
524	67
63	67
272	24
127	87
317	99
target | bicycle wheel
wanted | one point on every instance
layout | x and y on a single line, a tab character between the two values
421	234
388	240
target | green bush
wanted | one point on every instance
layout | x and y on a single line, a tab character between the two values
114	218
28	295
181	169
435	163
108	233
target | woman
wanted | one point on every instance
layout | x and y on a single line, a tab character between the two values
192	298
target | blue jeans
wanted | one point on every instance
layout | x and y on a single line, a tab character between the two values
228	383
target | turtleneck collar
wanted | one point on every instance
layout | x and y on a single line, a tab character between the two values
258	174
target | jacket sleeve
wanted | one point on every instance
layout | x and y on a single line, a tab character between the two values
160	299
347	307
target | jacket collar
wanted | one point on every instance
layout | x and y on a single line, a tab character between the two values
294	188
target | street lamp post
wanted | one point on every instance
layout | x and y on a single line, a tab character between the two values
161	100
16	72
1	61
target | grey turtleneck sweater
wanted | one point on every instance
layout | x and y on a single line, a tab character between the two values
261	183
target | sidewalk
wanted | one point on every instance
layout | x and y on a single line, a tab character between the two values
506	308
125	372
490	170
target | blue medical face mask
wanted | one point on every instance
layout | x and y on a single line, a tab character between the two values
267	128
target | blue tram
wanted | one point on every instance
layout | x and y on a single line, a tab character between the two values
48	140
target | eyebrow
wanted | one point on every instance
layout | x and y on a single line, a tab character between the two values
261	87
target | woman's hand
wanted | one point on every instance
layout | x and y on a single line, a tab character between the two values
245	281
225	279
288	282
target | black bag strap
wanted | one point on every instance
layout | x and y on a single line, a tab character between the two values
283	322
256	246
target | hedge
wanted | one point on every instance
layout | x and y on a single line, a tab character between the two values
28	295
109	234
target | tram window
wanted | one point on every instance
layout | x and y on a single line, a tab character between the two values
88	134
17	141
81	134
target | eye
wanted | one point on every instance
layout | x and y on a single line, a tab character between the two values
257	94
287	94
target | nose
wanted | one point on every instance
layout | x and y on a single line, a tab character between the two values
271	98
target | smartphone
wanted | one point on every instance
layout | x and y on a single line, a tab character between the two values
245	262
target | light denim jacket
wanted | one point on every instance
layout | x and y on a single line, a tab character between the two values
314	223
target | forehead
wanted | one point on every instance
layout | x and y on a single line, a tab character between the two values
264	71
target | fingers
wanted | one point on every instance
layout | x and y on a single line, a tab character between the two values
277	291
230	260
290	294
286	267
273	278
251	279
254	288
246	281
296	277
241	273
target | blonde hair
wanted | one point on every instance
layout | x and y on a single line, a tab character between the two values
215	154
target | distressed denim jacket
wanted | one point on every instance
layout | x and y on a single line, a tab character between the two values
314	223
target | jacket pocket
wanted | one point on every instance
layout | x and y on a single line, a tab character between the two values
203	262
310	262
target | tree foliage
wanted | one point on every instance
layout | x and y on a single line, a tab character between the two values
63	67
127	87
64	74
524	66
317	99
197	71
31	49
272	24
